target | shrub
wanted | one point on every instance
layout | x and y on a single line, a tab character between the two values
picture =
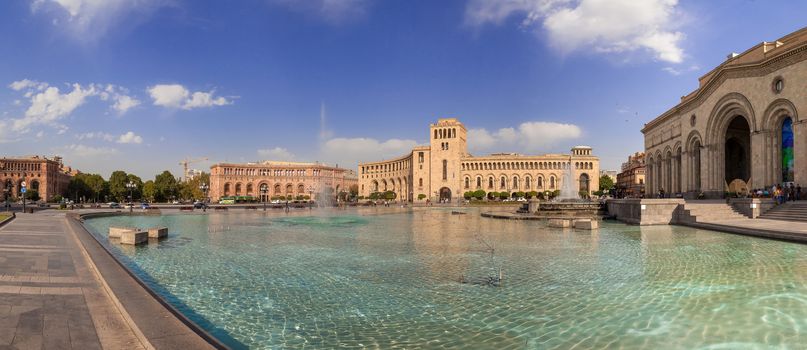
531	194
520	194
468	195
479	194
504	195
493	195
56	199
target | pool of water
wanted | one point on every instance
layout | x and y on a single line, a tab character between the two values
392	278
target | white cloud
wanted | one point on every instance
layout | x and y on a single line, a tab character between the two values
95	135
123	102
177	96
528	137
88	20
130	137
79	150
349	151
679	71
26	84
334	11
50	106
277	153
606	26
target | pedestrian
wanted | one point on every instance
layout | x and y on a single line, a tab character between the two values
798	192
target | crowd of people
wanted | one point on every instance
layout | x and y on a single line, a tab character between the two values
780	193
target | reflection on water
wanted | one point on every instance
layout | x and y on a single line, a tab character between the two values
390	278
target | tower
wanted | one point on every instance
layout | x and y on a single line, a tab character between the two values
448	145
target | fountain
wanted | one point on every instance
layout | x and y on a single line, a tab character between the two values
567	204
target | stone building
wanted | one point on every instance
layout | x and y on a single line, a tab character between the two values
443	170
631	179
49	177
739	130
279	179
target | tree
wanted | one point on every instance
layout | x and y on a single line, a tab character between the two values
493	195
479	194
519	194
96	185
504	195
389	195
78	188
32	195
468	195
149	191
117	185
165	187
374	195
137	192
421	196
532	194
606	183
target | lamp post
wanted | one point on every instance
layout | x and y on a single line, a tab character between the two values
6	191
264	189
131	186
23	190
204	187
310	196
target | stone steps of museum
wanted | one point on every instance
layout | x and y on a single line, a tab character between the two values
702	212
787	212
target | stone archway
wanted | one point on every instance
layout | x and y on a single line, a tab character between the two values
445	195
737	151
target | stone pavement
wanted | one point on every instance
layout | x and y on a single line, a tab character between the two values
778	229
51	297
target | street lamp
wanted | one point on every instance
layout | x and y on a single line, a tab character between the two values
6	191
264	190
131	186
204	187
310	196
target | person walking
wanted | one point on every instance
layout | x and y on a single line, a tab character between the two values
798	192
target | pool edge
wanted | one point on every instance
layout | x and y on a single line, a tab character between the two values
105	272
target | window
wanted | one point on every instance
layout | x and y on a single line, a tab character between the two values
420	182
420	157
445	169
503	182
467	183
490	182
478	182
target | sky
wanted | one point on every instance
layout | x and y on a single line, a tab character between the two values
139	85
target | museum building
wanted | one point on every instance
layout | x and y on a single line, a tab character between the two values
269	179
48	177
443	170
739	130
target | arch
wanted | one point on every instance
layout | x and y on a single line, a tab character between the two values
289	189
516	183
384	186
778	156
552	182
539	182
374	186
227	189
724	111
263	189
238	188
478	182
503	182
300	188
467	182
584	183
445	194
249	189
490	182
277	189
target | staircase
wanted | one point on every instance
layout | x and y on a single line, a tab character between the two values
790	211
707	211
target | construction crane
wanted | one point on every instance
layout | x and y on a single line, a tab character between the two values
187	161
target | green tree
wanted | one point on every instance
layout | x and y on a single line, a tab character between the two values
137	193
32	195
493	195
149	191
468	195
374	195
532	194
96	185
389	195
117	185
479	194
165	187
520	194
606	183
504	195
421	196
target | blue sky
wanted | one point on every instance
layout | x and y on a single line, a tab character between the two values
140	85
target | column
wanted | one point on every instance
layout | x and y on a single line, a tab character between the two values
799	152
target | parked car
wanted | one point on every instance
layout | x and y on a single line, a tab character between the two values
199	205
114	205
144	205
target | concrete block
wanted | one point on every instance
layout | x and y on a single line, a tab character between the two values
158	232
115	231
560	223
587	224
134	237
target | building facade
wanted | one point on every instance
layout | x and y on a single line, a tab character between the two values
630	181
740	129
278	179
444	170
48	177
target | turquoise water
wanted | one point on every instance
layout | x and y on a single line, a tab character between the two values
391	279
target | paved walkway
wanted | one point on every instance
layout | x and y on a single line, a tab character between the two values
51	297
779	229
